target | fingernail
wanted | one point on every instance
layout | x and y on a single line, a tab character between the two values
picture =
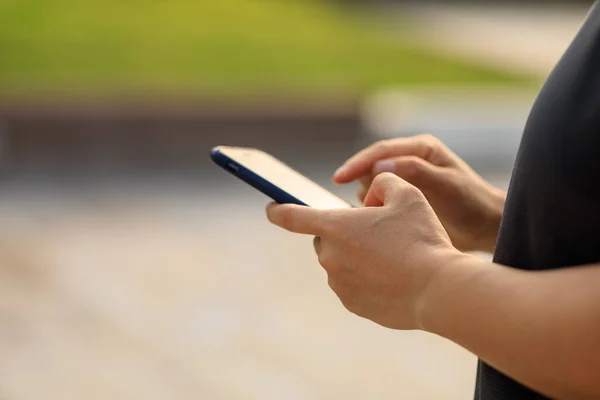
384	166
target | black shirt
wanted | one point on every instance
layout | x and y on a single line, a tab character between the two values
552	214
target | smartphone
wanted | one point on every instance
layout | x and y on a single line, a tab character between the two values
274	178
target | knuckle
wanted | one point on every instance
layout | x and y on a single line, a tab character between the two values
414	167
418	172
349	304
429	138
342	292
333	284
328	262
416	193
411	192
332	266
430	144
317	244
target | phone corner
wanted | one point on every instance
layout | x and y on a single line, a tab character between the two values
215	153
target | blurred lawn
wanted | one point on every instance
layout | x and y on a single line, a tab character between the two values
218	47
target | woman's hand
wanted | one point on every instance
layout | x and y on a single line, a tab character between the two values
393	263
381	258
469	208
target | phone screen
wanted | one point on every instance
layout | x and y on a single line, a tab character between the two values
284	177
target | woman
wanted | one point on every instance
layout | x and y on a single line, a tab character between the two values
532	316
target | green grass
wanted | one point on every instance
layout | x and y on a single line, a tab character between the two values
220	47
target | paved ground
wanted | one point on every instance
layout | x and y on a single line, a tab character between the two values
180	289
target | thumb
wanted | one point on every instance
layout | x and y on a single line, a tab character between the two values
413	169
383	189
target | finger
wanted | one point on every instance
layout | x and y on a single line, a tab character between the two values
362	162
317	244
383	189
362	193
366	180
413	169
363	189
301	219
424	146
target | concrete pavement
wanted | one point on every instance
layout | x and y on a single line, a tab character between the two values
181	289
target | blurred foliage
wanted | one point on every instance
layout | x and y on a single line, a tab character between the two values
219	47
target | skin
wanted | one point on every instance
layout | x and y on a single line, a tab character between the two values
469	208
398	262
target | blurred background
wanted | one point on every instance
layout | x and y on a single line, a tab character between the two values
131	267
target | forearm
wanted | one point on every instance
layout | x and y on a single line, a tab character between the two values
541	328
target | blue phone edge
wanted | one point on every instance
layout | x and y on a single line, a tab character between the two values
233	167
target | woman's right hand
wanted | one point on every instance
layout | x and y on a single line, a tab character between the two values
469	208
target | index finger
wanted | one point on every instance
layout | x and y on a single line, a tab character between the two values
301	219
362	162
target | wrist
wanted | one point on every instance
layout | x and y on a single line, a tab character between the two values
449	275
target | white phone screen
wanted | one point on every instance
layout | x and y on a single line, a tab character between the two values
284	177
